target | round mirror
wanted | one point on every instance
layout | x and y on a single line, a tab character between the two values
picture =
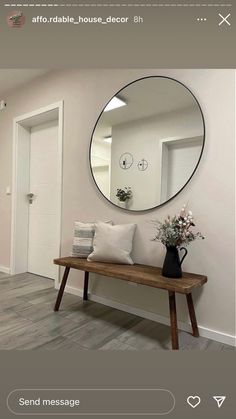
147	143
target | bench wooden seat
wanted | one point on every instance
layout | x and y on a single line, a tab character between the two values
140	274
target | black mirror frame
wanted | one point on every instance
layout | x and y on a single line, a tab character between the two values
203	145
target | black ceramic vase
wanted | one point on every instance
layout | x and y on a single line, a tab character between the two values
172	263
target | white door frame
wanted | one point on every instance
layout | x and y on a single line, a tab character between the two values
163	151
16	122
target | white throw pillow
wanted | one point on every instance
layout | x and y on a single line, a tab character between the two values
113	243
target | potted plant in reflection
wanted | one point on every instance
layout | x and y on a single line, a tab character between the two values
123	196
173	233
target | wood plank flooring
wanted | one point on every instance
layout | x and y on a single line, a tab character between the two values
27	321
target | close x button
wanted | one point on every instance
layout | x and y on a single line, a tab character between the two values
224	20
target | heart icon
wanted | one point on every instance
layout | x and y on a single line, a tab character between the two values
193	401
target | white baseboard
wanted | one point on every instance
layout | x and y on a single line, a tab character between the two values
71	290
203	331
218	336
5	270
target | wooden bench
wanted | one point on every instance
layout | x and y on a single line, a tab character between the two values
140	274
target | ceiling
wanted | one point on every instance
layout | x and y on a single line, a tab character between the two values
146	98
13	78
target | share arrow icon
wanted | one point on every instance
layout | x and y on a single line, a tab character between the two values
219	400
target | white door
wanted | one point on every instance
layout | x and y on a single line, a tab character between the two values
182	158
44	211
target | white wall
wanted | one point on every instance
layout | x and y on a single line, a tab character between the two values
132	138
142	139
210	194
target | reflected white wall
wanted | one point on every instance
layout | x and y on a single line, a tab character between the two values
143	139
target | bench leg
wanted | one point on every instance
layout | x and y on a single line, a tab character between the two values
192	315
62	288
86	281
173	321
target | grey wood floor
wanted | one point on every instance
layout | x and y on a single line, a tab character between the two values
27	321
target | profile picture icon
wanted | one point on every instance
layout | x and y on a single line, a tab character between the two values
16	19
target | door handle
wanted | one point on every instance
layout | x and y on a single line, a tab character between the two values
30	197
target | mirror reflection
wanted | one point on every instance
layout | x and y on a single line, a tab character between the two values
147	143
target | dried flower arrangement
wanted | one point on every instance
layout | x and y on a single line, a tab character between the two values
177	231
